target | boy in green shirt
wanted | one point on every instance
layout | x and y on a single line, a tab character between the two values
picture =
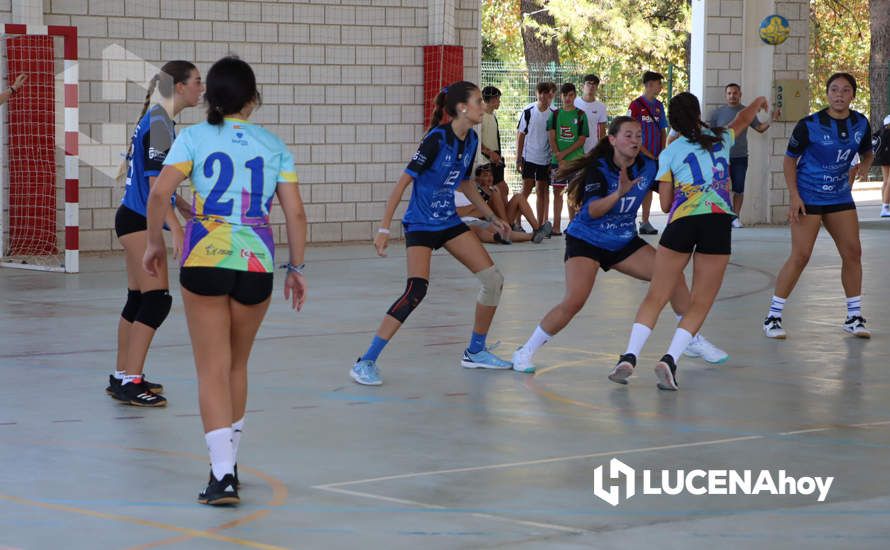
567	130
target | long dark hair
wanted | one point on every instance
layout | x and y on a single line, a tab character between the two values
171	74
576	171
448	99
684	114
231	85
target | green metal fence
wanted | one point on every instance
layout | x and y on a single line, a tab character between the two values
517	83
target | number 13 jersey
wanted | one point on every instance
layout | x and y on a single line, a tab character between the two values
234	169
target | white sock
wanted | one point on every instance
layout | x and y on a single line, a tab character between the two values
535	341
127	378
119	374
854	306
681	339
219	445
776	305
237	428
638	336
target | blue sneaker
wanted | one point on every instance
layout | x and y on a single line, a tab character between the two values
366	373
484	360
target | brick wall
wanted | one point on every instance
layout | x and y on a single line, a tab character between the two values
341	82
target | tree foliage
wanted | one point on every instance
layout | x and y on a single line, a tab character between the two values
839	42
617	39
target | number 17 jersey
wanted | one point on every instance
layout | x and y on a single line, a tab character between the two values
234	169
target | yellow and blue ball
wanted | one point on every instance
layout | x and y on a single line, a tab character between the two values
774	29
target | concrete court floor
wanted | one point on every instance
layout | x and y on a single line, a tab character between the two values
439	456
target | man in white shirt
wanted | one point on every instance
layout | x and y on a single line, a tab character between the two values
533	149
595	111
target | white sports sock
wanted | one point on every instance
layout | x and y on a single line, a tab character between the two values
681	340
639	333
854	306
127	378
237	428
776	305
536	340
119	374
219	445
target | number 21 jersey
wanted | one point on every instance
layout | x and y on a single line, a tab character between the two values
234	168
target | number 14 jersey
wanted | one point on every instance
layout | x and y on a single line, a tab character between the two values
234	169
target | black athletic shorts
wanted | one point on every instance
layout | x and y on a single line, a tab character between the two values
704	233
128	221
606	258
821	209
245	287
537	172
434	239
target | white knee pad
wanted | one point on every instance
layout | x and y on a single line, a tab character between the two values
492	284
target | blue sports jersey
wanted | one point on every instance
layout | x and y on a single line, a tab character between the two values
825	148
617	227
151	142
440	164
235	169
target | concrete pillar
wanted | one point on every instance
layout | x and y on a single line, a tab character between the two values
28	12
726	47
441	23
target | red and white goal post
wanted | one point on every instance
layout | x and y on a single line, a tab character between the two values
39	149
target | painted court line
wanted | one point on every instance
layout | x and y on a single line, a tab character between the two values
595	455
537	524
540	461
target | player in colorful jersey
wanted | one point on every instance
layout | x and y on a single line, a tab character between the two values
693	176
235	168
148	299
443	162
607	185
649	111
817	164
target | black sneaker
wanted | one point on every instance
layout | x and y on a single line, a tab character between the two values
137	394
647	228
500	240
114	384
624	368
666	371
237	481
152	386
220	491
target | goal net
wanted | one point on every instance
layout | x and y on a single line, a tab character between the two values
38	157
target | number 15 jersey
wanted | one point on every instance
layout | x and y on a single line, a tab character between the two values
234	168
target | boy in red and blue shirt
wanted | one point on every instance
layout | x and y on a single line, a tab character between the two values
652	117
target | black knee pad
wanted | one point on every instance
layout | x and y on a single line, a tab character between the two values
131	308
415	290
154	308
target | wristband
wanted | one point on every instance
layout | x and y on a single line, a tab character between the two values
291	268
383	230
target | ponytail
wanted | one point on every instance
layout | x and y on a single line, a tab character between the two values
448	99
152	84
684	114
439	109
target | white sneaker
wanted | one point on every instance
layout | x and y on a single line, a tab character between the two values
522	362
772	328
856	326
737	224
885	211
700	347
